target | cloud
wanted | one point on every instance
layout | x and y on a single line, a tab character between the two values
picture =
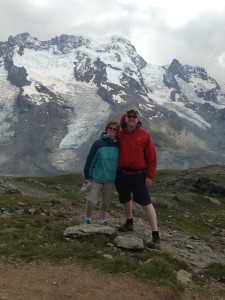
192	32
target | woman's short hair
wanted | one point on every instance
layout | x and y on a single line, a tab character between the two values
114	123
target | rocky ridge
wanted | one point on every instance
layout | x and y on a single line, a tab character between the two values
49	89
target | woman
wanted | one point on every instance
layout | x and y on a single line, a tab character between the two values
100	169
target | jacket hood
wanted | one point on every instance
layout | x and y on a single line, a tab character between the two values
106	138
103	134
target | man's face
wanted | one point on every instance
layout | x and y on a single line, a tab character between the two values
132	120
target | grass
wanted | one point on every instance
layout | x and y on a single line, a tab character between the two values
216	270
36	218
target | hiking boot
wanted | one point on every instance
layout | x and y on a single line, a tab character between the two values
104	223
126	227
154	244
87	221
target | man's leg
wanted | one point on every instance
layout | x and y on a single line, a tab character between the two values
151	216
127	207
152	219
128	225
123	189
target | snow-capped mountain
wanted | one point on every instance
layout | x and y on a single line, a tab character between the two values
57	95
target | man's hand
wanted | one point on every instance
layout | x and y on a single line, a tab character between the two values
148	182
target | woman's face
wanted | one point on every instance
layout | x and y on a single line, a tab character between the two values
111	131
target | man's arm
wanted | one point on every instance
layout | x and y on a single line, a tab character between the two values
151	159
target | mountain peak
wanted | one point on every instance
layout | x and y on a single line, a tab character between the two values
49	90
174	66
70	40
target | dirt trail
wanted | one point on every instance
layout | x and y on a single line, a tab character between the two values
44	281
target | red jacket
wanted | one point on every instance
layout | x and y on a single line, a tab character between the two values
137	151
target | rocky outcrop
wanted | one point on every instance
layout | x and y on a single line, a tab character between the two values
17	76
7	187
205	185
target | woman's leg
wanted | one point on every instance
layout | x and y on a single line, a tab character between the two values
92	198
107	189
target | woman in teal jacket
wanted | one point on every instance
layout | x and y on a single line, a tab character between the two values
100	170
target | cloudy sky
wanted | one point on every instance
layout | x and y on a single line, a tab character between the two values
191	31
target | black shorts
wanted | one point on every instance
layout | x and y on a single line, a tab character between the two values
127	184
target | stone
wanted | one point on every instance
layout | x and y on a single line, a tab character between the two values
129	242
84	230
183	276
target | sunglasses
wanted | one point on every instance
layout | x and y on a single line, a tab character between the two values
131	116
112	128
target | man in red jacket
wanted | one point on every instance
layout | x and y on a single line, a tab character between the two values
137	165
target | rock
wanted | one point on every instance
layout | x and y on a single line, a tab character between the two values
186	216
189	247
213	200
183	276
4	213
84	230
31	211
129	242
108	256
7	187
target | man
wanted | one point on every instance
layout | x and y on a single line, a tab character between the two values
136	170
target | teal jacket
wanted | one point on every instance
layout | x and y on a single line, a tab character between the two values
102	161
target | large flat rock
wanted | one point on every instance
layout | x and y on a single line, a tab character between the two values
84	230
